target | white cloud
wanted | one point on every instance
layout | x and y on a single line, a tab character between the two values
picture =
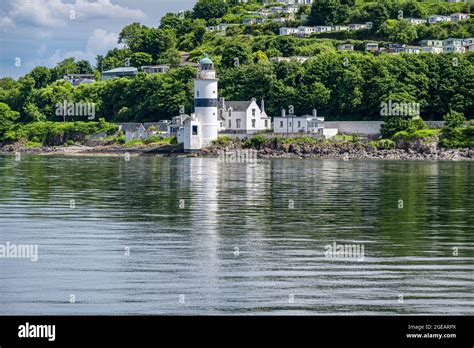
57	14
6	23
98	43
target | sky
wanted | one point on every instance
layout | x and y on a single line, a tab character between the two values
44	32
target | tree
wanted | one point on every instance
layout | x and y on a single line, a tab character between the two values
7	119
84	67
207	9
171	57
130	35
64	67
402	32
454	119
139	59
235	54
41	75
327	12
378	14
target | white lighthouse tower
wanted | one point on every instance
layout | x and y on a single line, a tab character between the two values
205	101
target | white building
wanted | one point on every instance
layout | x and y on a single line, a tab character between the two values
345	47
156	69
438	18
291	9
288	31
432	49
432	43
371	46
356	26
415	21
133	131
244	117
453	45
305	30
201	128
340	28
459	16
322	28
217	28
307	124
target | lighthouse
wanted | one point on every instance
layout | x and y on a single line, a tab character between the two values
205	101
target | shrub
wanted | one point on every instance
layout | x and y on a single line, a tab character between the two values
416	124
156	139
255	142
393	125
454	119
222	140
383	144
452	138
58	133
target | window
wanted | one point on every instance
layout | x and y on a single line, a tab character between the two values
299	124
230	124
253	112
195	130
197	94
281	124
230	112
221	112
266	123
238	123
253	123
289	125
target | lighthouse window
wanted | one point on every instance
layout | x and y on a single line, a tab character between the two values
195	130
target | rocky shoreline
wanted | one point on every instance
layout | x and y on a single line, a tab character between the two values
328	150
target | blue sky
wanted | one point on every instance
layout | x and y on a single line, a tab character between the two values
44	32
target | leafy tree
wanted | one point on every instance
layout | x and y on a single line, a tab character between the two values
171	57
7	119
84	67
326	12
402	32
139	59
207	9
454	119
41	75
235	54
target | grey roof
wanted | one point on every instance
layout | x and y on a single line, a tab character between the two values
238	105
130	127
124	69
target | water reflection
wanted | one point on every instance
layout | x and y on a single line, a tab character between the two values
235	237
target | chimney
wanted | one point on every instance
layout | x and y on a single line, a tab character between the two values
283	112
262	105
315	113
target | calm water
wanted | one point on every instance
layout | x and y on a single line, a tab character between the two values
206	237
